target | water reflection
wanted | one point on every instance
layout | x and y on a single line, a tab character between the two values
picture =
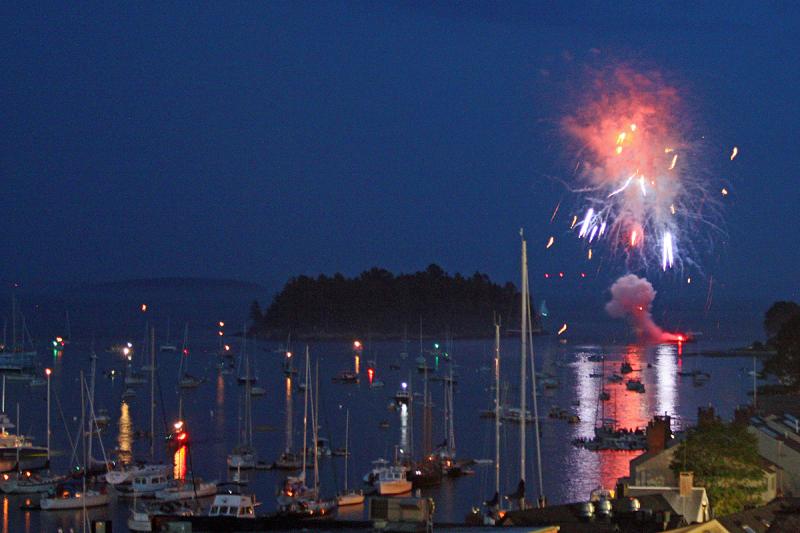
125	435
289	414
404	428
666	378
5	514
179	463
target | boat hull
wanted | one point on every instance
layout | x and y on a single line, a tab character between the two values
91	500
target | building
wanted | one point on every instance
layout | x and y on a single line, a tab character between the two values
779	443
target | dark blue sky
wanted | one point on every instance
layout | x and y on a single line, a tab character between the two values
262	140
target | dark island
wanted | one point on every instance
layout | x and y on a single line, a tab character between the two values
382	305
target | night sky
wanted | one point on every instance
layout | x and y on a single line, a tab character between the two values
258	141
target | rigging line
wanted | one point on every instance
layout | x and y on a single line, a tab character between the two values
535	402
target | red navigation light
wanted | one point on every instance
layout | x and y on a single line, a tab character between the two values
47	372
182	436
370	374
186	351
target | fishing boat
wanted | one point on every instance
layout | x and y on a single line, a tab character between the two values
145	484
392	480
352	496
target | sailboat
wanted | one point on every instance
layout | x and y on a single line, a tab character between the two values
19	356
70	496
168	346
244	456
348	497
296	500
526	350
288	459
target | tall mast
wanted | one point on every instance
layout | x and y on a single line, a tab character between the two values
315	417
542	499
305	415
524	356
152	394
346	446
93	357
497	408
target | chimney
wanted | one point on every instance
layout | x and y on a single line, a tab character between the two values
686	482
658	434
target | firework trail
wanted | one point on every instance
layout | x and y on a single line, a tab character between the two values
641	193
632	298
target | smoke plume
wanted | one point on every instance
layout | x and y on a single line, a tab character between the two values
632	298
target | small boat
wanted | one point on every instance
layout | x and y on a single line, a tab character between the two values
351	497
74	499
189	382
348	497
102	418
635	385
188	491
141	517
257	391
128	394
289	461
243	457
625	368
376	384
346	376
28	483
403	395
596	358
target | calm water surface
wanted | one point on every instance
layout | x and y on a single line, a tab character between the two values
213	413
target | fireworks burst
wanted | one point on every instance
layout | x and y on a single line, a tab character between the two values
646	196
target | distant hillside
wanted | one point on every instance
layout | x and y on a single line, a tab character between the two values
174	283
382	305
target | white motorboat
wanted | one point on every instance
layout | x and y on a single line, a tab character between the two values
236	505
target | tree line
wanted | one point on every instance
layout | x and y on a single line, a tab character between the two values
384	305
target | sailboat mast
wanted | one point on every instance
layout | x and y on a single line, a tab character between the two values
523	358
315	418
305	414
346	446
152	393
542	499
497	408
93	357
